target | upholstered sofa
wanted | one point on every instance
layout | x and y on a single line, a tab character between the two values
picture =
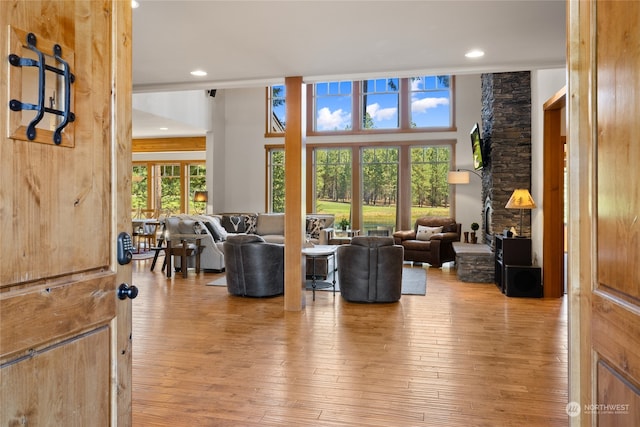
254	267
213	230
430	241
370	269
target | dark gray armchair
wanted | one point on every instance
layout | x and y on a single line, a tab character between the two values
370	269
254	268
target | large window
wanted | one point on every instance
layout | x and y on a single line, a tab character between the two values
429	187
197	182
379	188
167	188
332	182
371	203
275	169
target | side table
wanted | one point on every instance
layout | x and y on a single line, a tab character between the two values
327	252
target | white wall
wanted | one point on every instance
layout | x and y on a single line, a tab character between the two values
544	84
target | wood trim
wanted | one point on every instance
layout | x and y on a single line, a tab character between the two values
553	196
155	145
121	65
294	153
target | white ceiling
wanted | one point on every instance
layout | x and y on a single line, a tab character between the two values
255	43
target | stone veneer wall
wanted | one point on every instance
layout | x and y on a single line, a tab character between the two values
506	133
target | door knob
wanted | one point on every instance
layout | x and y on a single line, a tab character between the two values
125	291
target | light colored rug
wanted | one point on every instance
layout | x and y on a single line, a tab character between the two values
414	281
143	255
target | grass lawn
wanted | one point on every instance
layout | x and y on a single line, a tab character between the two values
376	215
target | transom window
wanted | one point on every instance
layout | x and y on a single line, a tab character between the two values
430	101
381	100
385	105
333	106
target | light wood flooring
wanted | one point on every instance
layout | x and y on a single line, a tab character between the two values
462	355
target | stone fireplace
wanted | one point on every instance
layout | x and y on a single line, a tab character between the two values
506	133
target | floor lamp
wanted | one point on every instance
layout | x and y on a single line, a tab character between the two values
460	176
520	199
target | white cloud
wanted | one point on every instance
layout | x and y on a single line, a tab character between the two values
378	114
328	120
422	105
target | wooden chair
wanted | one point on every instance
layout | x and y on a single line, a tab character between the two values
184	250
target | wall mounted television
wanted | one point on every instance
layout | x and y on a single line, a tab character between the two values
476	147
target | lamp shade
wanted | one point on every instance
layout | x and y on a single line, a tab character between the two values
520	199
200	196
457	177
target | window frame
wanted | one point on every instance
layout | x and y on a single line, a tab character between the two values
358	111
153	175
404	203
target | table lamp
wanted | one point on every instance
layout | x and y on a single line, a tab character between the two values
200	197
520	199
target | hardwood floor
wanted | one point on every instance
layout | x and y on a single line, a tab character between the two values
462	355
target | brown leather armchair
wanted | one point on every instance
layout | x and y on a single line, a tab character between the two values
434	249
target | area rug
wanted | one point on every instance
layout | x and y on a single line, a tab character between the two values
143	255
414	281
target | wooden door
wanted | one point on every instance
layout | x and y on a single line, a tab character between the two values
604	210
65	349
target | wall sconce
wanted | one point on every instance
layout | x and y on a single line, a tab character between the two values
520	199
461	176
200	197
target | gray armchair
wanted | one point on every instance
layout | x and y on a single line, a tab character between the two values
370	269
254	267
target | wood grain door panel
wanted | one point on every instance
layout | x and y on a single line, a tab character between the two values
65	336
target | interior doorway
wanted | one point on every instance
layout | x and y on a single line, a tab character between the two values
554	222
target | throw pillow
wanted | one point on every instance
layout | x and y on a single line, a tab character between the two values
425	233
212	230
220	231
314	226
234	223
251	222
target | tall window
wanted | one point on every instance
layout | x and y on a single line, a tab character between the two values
379	187
275	170
170	188
333	106
276	109
431	101
139	188
197	182
429	187
381	101
167	188
332	176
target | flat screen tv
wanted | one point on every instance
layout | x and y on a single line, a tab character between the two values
476	147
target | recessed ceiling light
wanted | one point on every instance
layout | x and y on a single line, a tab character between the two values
476	53
198	73
134	4
164	128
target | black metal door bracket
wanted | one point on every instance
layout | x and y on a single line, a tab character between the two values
40	108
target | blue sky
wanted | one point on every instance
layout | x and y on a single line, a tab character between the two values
428	109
